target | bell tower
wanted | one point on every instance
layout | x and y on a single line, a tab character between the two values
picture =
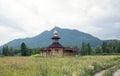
56	48
55	37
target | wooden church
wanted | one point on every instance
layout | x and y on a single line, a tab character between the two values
56	49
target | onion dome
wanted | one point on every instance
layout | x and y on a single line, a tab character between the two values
55	33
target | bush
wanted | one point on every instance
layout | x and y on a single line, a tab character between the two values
97	66
37	55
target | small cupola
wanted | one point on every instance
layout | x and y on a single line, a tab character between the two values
55	33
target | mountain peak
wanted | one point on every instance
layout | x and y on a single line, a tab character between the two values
68	37
56	28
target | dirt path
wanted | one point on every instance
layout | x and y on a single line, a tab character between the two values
100	73
117	73
103	71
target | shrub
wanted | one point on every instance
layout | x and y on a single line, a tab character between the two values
37	55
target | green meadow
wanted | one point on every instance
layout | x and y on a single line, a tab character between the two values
56	66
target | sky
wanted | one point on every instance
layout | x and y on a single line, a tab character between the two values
28	18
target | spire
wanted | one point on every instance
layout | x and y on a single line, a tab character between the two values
55	32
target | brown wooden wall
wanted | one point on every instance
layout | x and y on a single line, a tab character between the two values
59	53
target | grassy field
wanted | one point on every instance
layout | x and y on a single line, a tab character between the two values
112	70
55	66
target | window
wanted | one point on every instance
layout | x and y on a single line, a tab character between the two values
56	50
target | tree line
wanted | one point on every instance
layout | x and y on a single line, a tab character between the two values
107	47
23	51
110	47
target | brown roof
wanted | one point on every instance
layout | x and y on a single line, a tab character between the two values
55	37
45	49
71	49
56	45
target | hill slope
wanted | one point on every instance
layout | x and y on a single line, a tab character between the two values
68	37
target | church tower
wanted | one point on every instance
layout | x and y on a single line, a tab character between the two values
56	48
55	37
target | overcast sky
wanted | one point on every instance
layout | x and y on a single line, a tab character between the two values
27	18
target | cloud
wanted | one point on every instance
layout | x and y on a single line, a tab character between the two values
110	28
7	34
23	18
4	21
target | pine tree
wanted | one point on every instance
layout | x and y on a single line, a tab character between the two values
104	47
118	47
10	51
82	51
23	49
89	49
5	50
85	49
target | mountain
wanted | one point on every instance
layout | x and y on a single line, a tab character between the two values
68	37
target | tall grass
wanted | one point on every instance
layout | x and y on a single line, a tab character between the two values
112	70
55	66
